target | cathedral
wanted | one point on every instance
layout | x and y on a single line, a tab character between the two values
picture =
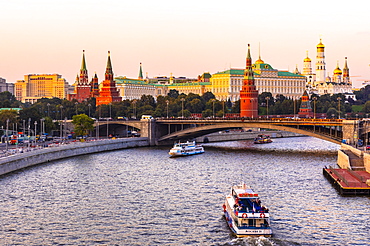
319	83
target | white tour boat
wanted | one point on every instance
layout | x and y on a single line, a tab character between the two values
187	148
244	213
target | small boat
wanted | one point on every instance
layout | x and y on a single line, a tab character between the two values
244	213
187	148
262	139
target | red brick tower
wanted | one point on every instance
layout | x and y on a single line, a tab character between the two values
83	86
94	84
108	92
305	109
248	94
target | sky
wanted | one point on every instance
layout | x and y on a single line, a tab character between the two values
182	38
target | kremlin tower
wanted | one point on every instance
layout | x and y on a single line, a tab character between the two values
305	109
108	92
140	77
82	86
249	93
94	84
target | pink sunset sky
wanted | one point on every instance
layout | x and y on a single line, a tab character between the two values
185	38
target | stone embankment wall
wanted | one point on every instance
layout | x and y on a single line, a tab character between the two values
343	159
235	136
22	160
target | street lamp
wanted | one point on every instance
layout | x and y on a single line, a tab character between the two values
267	101
48	109
35	131
167	102
76	103
107	128
134	102
89	105
213	107
42	127
110	110
61	112
182	107
7	135
29	131
314	107
339	99
61	121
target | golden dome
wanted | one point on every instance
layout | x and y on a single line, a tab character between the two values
320	45
337	71
307	59
259	61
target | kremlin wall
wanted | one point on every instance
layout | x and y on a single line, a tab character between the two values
233	84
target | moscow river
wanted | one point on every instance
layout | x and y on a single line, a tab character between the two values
143	197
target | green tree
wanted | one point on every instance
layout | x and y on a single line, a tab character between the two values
173	94
332	113
196	105
366	107
208	96
207	113
49	125
10	115
82	124
32	114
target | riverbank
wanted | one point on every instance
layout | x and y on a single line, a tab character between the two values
22	160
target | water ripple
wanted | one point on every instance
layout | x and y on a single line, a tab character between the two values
142	197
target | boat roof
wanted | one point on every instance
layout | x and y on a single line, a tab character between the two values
244	191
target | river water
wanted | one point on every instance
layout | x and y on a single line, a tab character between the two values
143	197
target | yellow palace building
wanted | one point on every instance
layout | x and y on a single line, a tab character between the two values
227	84
37	86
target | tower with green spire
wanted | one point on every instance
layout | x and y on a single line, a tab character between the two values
249	93
82	86
140	73
108	92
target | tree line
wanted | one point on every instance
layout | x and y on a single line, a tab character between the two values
174	104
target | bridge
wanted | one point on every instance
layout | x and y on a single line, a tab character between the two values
166	131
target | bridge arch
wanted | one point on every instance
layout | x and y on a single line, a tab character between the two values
194	132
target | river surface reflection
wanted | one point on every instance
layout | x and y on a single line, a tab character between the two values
143	197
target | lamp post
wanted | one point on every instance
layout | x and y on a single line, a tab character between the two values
48	109
61	121
213	108
182	107
134	102
223	109
167	102
267	102
35	131
89	105
42	126
107	128
76	103
97	129
314	107
110	110
7	136
339	99
29	132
